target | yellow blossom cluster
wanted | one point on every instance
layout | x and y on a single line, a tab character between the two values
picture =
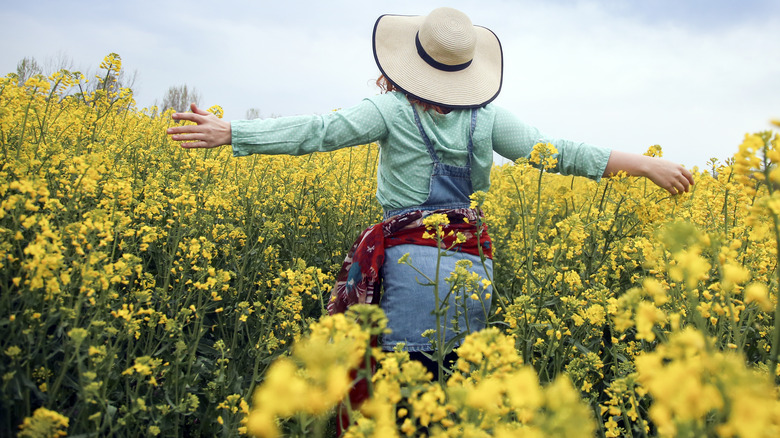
701	391
44	423
491	393
314	378
544	155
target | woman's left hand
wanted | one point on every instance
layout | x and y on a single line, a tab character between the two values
668	175
209	131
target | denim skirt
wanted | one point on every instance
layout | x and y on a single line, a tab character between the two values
409	303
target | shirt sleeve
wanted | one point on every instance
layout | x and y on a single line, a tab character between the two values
300	135
514	139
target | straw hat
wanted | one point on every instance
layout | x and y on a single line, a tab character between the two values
440	58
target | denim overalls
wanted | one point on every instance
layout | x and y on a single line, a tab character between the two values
407	303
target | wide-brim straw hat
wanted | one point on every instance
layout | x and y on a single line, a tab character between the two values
441	58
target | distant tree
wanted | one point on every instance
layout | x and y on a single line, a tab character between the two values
253	113
27	68
179	98
60	61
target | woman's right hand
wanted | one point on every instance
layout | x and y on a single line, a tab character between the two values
209	131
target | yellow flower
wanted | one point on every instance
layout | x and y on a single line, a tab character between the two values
13	351
734	274
656	291
217	110
759	294
595	314
436	220
525	394
78	335
316	377
486	395
44	423
647	315
691	382
544	155
691	267
654	151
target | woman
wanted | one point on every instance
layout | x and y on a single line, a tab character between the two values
437	133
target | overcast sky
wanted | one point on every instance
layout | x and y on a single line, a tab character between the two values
691	75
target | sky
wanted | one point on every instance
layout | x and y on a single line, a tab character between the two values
693	76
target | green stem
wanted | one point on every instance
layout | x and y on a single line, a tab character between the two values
776	330
767	167
439	332
24	122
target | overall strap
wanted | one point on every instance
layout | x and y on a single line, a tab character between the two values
471	136
424	136
429	145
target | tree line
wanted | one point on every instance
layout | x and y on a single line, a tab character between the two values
177	97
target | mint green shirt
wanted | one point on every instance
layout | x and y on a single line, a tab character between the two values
404	164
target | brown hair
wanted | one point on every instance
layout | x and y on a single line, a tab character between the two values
386	86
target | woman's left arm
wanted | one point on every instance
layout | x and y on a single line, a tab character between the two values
668	175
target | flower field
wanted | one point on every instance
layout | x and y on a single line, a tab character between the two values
149	290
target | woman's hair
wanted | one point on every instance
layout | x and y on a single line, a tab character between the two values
386	86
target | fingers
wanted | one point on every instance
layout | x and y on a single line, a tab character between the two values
678	188
195	140
195	116
183	129
186	132
681	182
192	117
673	188
197	145
680	185
688	175
197	110
207	132
685	178
188	136
673	177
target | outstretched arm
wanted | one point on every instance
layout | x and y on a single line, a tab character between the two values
668	175
209	132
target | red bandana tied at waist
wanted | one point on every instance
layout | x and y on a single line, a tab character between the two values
359	279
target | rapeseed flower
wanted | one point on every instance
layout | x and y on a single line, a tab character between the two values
44	423
544	155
